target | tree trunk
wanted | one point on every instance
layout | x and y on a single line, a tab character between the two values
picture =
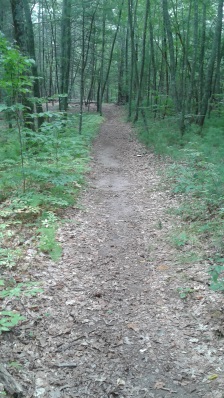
142	62
167	25
31	52
20	37
65	54
82	71
210	68
132	11
112	49
101	76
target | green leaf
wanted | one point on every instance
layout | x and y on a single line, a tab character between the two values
4	108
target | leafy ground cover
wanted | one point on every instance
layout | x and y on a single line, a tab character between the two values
33	192
197	176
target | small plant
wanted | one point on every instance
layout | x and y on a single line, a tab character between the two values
217	276
180	240
9	319
15	365
47	241
9	257
2	392
184	292
19	289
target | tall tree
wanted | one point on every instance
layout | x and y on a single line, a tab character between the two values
31	52
24	36
210	68
139	93
65	53
168	29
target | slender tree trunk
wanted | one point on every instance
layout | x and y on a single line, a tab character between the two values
112	49
167	25
65	54
132	11
139	93
184	74
121	97
82	72
193	83
20	37
101	77
202	59
31	52
210	68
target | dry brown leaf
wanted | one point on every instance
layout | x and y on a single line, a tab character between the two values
163	267
133	326
159	384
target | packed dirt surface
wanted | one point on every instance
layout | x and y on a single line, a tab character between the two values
111	322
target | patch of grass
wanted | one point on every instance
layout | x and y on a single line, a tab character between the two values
189	257
183	238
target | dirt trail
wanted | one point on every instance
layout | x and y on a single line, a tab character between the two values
116	326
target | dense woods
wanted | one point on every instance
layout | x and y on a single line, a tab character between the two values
162	58
61	61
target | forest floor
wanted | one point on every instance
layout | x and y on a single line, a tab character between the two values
111	322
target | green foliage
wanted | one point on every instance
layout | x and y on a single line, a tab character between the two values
54	164
9	257
18	289
217	273
197	175
9	319
184	292
15	365
14	67
181	239
40	170
47	240
161	136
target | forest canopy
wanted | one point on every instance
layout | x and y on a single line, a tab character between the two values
160	57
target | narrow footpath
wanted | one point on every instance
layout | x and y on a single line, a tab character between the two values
115	324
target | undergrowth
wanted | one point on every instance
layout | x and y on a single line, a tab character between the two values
55	160
43	158
197	174
54	167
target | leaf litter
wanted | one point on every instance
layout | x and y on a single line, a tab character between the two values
111	322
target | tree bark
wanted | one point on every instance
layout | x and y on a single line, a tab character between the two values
139	93
167	25
210	68
31	52
65	54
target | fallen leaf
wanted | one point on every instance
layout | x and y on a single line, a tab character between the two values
159	384
120	382
133	326
34	308
70	302
162	267
213	377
